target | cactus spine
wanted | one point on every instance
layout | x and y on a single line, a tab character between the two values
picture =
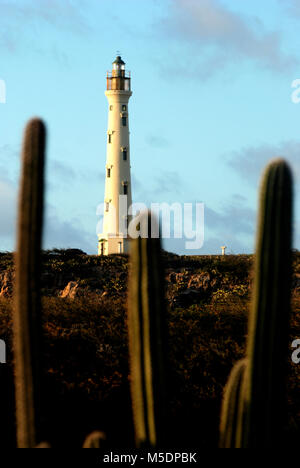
146	323
231	423
27	308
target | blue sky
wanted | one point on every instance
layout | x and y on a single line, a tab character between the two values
211	105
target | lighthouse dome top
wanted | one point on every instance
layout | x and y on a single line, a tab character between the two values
118	65
119	61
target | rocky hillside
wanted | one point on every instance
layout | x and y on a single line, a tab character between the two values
72	273
85	361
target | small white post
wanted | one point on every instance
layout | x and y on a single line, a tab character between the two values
223	249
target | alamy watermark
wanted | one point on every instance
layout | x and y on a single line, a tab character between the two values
176	220
2	352
296	353
2	92
295	96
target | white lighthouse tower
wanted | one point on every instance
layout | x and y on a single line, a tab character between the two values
117	196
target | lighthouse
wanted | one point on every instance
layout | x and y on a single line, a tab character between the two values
117	197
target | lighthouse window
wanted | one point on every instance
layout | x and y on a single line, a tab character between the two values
108	172
102	248
106	206
111	108
124	107
125	189
124	120
124	152
109	138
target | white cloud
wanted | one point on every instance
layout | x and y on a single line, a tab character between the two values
219	36
22	21
292	7
250	161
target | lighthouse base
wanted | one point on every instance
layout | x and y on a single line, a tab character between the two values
112	245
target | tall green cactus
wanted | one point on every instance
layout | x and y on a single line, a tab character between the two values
27	326
265	377
147	338
231	421
262	398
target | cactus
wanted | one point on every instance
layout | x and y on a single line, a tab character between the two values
231	423
27	326
262	397
267	350
147	338
253	412
95	440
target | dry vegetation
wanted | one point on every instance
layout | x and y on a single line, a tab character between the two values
86	379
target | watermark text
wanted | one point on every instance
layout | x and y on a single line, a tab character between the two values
296	353
176	220
2	352
2	92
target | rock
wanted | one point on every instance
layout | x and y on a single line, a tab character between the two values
202	281
6	283
71	290
5	292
